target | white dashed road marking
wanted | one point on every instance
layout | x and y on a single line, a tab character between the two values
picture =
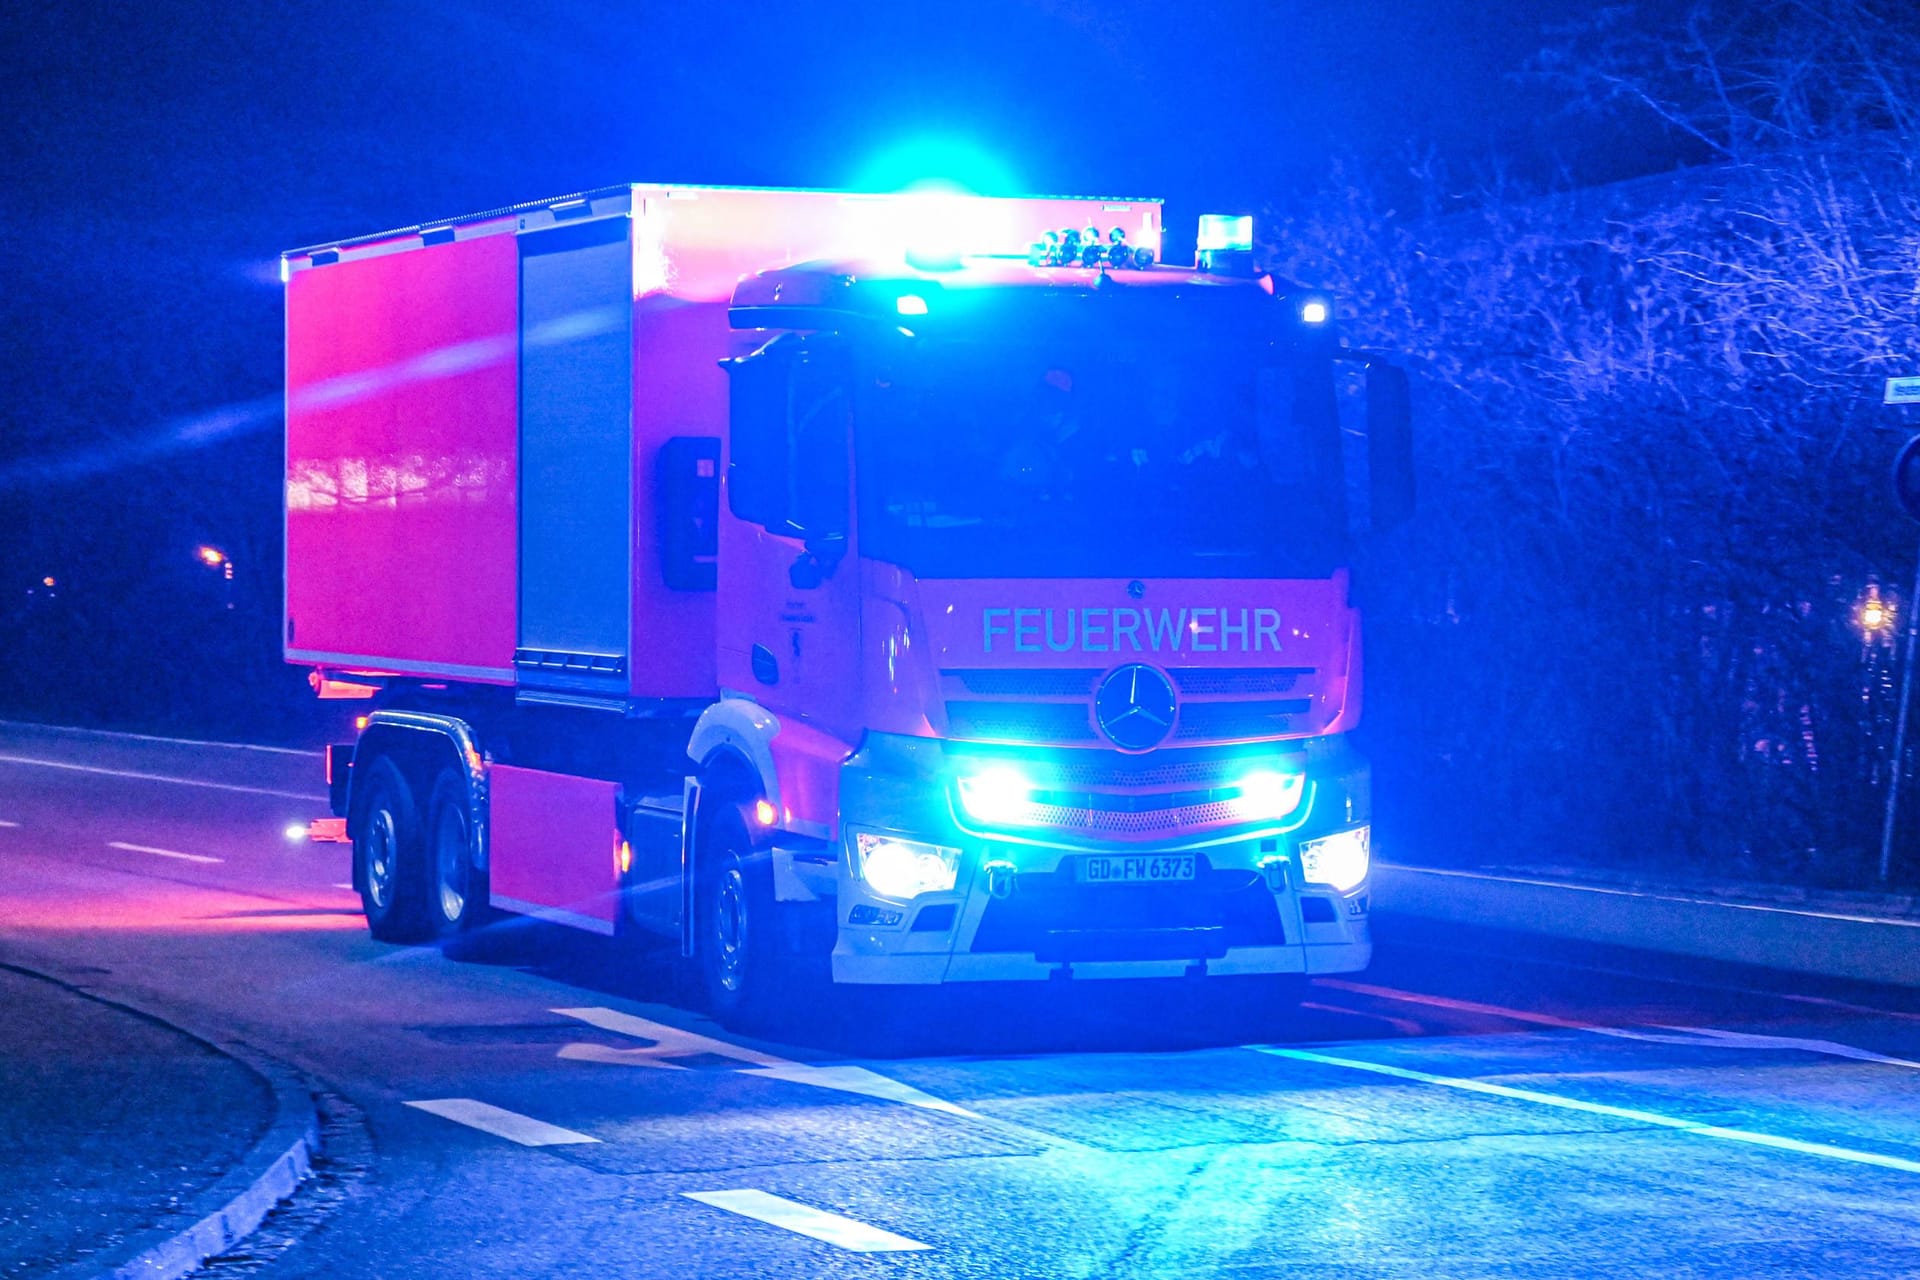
5	823
1695	1037
501	1123
163	853
138	776
805	1220
1747	1136
673	1042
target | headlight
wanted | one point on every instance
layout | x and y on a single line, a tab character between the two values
999	795
896	868
1337	860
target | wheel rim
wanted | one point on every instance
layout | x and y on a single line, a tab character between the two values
383	842
450	864
730	928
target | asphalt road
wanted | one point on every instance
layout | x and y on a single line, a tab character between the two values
1473	1106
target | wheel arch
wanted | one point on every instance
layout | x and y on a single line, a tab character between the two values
732	747
421	744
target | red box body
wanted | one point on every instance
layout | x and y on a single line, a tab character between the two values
418	362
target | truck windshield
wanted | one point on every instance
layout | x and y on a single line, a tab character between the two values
1001	459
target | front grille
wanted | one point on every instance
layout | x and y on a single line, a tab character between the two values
1021	721
1055	919
1225	682
1056	706
1100	819
1160	770
1236	721
1024	684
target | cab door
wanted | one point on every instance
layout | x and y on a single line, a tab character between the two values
789	591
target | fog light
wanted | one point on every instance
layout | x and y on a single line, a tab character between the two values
1313	311
1339	860
896	868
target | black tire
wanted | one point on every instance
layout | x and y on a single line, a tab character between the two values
456	890
387	857
736	943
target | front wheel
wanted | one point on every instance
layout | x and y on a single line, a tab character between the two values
739	959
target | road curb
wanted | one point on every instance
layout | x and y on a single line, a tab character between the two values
229	1210
1833	944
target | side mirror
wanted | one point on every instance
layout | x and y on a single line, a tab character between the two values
1390	493
817	563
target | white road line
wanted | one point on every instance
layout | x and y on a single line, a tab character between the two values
1896	921
1694	1037
348	887
5	823
163	853
805	1220
1696	983
1748	1136
139	776
670	1042
147	737
673	1042
501	1123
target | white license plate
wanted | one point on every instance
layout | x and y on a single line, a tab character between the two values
1142	868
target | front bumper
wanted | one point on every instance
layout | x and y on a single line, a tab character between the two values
1018	913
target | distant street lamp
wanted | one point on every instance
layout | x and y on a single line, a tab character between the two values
215	558
1875	616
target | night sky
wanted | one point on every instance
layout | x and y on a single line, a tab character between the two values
144	138
159	156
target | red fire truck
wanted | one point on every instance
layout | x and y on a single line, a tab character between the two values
914	588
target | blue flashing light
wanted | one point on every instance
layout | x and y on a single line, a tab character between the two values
1225	231
910	304
1268	795
998	796
936	163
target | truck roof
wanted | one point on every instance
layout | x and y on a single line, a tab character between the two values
808	294
597	202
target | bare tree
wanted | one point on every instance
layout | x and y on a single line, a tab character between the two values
1649	420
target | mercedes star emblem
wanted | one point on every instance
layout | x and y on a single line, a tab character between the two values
1134	707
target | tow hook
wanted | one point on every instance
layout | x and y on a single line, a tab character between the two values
1000	879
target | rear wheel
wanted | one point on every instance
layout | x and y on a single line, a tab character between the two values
740	963
456	890
387	855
